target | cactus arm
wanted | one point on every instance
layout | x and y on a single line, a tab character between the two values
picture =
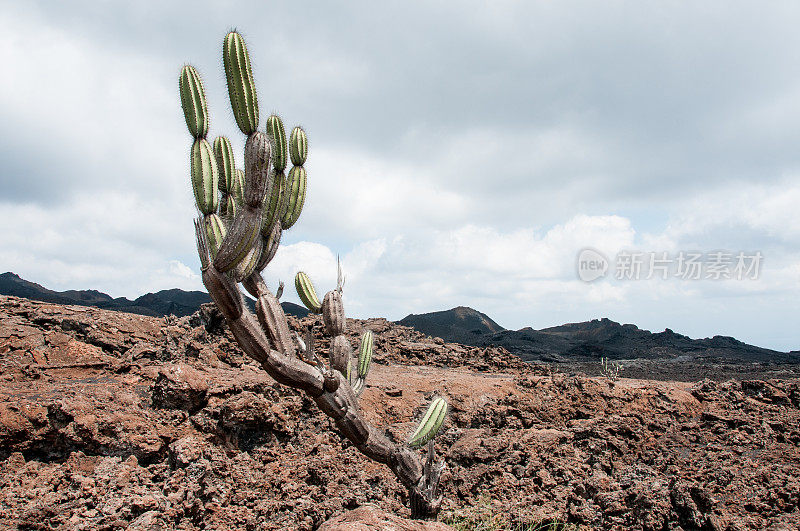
276	131
307	293
241	87
296	196
431	423
365	354
298	146
193	101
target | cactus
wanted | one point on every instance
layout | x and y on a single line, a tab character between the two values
204	176
298	146
333	313
193	101
365	354
238	187
296	196
243	215
241	87
276	204
215	231
226	166
431	423
278	134
610	369
306	292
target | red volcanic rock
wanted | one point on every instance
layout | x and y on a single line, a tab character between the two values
115	421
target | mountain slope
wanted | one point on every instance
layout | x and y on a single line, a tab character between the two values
459	325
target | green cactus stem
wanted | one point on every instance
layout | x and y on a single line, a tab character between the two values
278	135
204	176
298	146
365	354
241	87
306	292
226	166
215	232
296	196
275	204
238	187
193	101
430	424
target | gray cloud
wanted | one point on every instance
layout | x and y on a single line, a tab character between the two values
422	118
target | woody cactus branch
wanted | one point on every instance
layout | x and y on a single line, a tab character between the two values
243	213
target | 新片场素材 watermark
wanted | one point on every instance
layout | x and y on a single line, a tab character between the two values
683	265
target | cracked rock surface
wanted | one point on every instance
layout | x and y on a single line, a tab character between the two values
117	421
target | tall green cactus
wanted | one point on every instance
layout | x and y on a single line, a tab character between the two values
243	215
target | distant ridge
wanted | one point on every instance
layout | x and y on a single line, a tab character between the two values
165	302
586	341
458	325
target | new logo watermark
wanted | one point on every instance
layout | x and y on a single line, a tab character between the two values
592	264
683	265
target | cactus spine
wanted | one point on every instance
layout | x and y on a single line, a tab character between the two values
430	424
241	87
306	292
193	101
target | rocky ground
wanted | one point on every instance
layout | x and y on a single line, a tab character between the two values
116	421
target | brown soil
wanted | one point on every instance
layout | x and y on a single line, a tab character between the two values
114	421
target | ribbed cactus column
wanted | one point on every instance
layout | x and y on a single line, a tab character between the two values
243	213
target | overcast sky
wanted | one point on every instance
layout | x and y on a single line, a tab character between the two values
460	153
